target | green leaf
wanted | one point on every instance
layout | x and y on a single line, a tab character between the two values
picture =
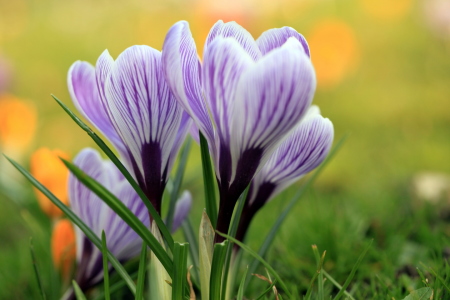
220	251
273	232
209	182
159	278
232	232
141	273
179	283
189	235
121	210
240	294
36	270
78	222
155	216
353	272
420	294
177	182
78	292
206	248
105	267
260	259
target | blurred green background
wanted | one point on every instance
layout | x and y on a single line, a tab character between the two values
383	73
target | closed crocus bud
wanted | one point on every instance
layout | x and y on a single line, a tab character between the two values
48	169
63	246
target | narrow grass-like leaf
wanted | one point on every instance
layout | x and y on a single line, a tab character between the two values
208	181
232	232
269	289
124	212
155	216
189	235
425	293
105	267
319	261
78	292
311	284
177	182
274	230
36	270
353	272
240	294
439	278
206	249
78	222
159	278
180	253
220	251
336	284
260	259
141	273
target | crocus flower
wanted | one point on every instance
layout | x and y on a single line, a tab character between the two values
48	169
129	101
63	246
121	240
244	98
302	151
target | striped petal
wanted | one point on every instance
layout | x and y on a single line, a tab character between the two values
271	98
302	151
85	95
181	67
276	37
224	62
123	242
237	32
146	116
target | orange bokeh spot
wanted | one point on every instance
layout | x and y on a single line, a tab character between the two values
48	169
63	246
387	9
17	123
334	51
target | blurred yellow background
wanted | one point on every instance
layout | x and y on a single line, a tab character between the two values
383	71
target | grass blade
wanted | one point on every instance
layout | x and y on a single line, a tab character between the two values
240	294
78	222
353	272
177	182
78	292
189	235
155	216
36	270
336	284
271	236
269	289
105	267
208	181
141	273
232	232
319	261
180	253
220	251
120	209
260	259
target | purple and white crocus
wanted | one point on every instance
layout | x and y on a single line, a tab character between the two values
129	101
244	97
302	151
121	240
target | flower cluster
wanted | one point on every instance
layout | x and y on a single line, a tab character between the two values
250	99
